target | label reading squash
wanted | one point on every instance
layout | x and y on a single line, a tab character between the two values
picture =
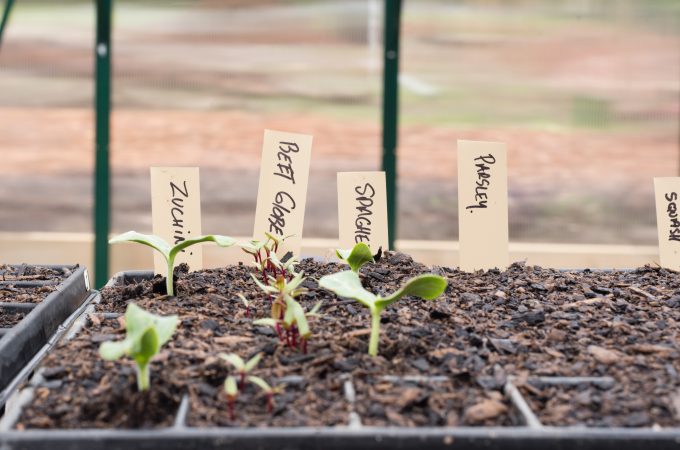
667	194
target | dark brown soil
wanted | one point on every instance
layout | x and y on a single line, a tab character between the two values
523	322
9	319
19	294
25	272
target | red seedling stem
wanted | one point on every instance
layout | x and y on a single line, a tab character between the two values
270	402
230	405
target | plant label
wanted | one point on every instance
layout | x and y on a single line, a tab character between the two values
482	205
176	212
362	209
282	194
667	193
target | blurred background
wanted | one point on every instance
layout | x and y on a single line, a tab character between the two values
586	94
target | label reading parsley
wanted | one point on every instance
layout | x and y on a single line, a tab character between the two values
282	193
482	205
362	209
176	212
667	193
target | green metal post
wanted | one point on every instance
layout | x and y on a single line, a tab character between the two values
390	111
5	18
102	123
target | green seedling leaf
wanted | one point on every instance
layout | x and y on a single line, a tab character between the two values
427	287
356	257
315	310
230	387
146	333
347	284
234	360
259	382
252	362
267	321
169	252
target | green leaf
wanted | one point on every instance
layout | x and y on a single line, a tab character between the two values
222	241
260	383
427	287
347	284
234	360
295	313
230	386
146	333
252	362
264	287
269	322
146	239
315	310
357	256
111	351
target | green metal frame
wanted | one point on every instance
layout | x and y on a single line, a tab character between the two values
102	183
390	110
5	18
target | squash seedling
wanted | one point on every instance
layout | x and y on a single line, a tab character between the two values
356	257
146	333
288	317
347	284
169	252
242	367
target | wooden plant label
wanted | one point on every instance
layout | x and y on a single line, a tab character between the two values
667	193
282	194
176	212
482	205
362	209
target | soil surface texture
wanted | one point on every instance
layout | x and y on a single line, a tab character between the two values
440	363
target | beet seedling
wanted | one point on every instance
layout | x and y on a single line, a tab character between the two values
231	389
169	252
264	253
347	284
288	317
267	389
242	367
246	303
356	257
146	334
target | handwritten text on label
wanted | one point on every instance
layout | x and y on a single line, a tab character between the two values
362	232
483	165
672	210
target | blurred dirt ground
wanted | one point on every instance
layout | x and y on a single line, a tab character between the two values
585	94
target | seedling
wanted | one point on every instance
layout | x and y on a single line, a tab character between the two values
264	253
246	303
232	389
347	284
146	334
288	318
169	252
357	256
267	389
241	366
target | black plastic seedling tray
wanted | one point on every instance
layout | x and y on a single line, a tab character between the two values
529	434
20	344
